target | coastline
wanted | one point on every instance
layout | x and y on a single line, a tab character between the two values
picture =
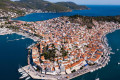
107	55
104	61
92	68
5	31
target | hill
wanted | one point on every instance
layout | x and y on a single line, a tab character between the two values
89	21
43	5
72	5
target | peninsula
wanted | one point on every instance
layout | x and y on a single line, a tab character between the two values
67	46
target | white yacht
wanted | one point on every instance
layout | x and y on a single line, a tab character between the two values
118	62
27	78
97	79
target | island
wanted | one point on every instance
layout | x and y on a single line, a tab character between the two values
66	47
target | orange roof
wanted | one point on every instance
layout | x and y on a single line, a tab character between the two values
34	48
93	50
79	55
66	62
65	57
95	59
47	62
66	67
60	59
56	66
99	52
55	59
42	58
53	69
74	64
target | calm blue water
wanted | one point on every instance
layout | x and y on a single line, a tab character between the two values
96	10
12	53
112	70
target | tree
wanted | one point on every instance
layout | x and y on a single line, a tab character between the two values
64	53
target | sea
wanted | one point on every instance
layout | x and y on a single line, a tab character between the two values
95	10
13	50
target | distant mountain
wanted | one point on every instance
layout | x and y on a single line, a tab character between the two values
43	5
39	4
72	5
7	5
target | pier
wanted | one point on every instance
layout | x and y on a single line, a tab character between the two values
32	73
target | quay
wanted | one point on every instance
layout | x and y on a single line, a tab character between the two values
32	73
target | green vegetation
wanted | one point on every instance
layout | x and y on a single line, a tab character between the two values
89	21
43	5
73	71
49	53
8	5
64	53
72	5
14	28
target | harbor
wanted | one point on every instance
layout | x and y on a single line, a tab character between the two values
106	69
102	63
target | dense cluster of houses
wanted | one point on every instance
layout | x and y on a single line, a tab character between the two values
83	45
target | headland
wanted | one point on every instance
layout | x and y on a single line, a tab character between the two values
64	49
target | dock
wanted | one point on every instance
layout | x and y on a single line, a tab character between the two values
35	75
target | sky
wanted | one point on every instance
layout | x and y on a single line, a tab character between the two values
92	2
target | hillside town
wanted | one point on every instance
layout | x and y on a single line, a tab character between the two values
65	47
